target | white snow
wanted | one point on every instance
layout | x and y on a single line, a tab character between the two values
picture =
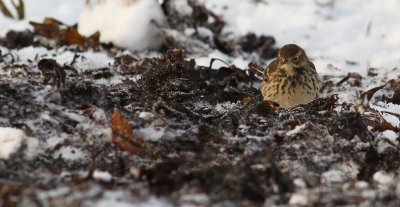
118	198
151	133
54	141
32	147
196	198
300	183
205	61
70	153
101	175
298	199
37	10
391	135
182	7
147	115
296	130
383	179
99	115
361	185
126	23
333	176
388	107
366	33
10	141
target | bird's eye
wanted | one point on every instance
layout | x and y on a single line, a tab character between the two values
295	59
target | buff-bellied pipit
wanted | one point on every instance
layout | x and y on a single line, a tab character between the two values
291	79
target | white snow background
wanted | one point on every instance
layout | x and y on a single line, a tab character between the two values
340	36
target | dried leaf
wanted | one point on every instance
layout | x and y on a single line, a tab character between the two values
378	123
325	103
394	85
52	72
370	93
385	125
123	137
58	31
362	102
357	79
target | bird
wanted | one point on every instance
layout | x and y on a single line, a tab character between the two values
291	79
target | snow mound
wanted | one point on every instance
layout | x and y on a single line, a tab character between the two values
131	27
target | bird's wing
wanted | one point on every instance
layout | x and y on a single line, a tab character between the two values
273	66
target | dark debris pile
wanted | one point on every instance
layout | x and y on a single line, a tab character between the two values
218	138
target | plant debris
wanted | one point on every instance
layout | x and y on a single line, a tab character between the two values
63	34
123	135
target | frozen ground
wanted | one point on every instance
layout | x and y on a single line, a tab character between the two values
55	143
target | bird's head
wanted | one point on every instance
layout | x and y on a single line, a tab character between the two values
292	56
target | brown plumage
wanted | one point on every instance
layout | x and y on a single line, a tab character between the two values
291	79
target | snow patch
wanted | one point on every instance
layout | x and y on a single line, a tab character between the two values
151	133
147	115
391	135
329	34
383	179
118	198
361	185
333	176
126	23
196	198
296	130
182	7
298	199
54	141
70	153
388	107
10	141
32	146
101	175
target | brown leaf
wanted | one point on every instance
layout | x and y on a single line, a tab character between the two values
123	137
52	72
370	93
64	34
394	85
385	125
378	123
325	103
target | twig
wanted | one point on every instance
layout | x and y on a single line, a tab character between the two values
368	32
5	10
19	8
214	59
